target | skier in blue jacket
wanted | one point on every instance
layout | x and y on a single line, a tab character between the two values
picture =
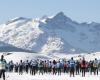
72	67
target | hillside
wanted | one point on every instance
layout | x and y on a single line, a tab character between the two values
57	34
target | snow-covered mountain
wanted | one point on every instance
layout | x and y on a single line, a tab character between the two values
57	34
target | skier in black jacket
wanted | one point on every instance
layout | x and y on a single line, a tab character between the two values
20	67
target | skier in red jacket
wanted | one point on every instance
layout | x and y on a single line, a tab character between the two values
83	67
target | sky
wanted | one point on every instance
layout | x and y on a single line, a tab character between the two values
78	10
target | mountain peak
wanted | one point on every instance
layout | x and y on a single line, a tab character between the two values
17	19
62	16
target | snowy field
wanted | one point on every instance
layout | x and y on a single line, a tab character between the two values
15	76
17	56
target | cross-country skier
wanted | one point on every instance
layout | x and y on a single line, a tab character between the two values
20	67
72	67
83	67
50	67
16	67
95	65
77	67
59	67
33	67
91	67
11	66
54	66
2	67
65	66
26	66
40	66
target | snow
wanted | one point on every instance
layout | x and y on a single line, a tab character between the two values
52	44
56	37
16	76
51	34
17	56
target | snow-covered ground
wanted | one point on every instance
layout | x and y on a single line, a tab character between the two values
15	76
17	56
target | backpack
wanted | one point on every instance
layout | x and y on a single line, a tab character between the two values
2	65
65	65
60	65
83	64
72	63
95	64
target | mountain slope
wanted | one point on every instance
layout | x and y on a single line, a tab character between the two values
51	35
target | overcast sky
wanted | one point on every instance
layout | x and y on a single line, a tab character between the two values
78	10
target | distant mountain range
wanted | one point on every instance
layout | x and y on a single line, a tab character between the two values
56	34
